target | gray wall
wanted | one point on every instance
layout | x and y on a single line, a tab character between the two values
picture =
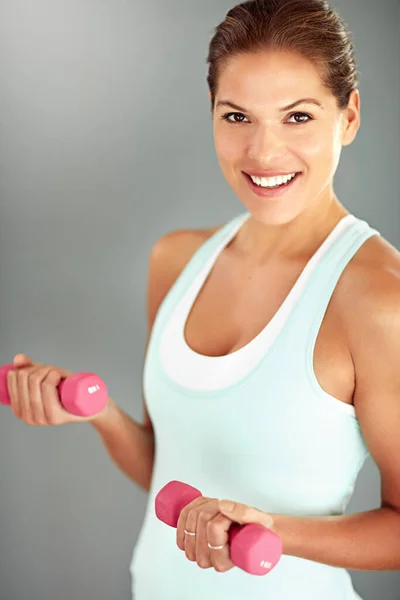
105	144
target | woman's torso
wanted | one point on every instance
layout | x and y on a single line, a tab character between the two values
230	444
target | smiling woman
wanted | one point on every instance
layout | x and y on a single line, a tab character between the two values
271	371
271	367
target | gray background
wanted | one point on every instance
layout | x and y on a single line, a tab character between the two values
106	144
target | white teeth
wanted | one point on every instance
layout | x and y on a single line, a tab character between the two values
272	181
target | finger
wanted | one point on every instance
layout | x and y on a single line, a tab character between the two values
13	393
218	537
202	551
24	393
13	382
181	525
22	360
36	380
54	410
240	513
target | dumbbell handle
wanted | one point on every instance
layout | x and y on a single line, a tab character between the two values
81	394
253	548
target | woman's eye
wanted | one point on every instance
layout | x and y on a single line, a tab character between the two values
233	114
299	114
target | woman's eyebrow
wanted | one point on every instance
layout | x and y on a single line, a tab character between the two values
292	105
302	101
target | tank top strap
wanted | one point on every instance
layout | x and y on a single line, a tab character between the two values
306	317
201	257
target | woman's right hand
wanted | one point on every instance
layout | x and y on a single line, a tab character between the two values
34	396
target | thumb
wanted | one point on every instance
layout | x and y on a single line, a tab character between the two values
22	360
244	515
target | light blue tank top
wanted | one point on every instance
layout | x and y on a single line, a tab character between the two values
273	439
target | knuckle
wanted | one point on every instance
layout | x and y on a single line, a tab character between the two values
183	514
21	372
246	513
192	515
53	420
182	517
212	529
202	516
37	409
52	376
34	377
39	374
221	568
48	384
17	413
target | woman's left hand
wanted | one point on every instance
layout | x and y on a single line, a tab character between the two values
209	520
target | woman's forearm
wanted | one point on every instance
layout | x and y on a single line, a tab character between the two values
365	541
129	444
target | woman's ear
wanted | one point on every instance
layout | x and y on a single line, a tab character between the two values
351	118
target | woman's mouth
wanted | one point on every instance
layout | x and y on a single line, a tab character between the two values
271	187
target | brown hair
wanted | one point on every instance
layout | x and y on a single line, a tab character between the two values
308	27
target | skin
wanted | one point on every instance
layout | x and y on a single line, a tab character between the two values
265	138
262	138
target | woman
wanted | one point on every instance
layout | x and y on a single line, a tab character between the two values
271	370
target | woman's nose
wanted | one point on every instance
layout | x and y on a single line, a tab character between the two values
265	144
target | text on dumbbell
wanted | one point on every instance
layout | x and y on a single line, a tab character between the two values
93	388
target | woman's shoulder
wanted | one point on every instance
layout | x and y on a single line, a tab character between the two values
374	272
173	250
368	295
168	257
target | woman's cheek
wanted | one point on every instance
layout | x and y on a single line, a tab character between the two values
229	148
319	151
230	158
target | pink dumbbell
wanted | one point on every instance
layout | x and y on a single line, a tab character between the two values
253	548
81	394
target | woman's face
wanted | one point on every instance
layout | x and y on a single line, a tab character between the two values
260	134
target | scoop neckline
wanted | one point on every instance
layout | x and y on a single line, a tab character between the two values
240	221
